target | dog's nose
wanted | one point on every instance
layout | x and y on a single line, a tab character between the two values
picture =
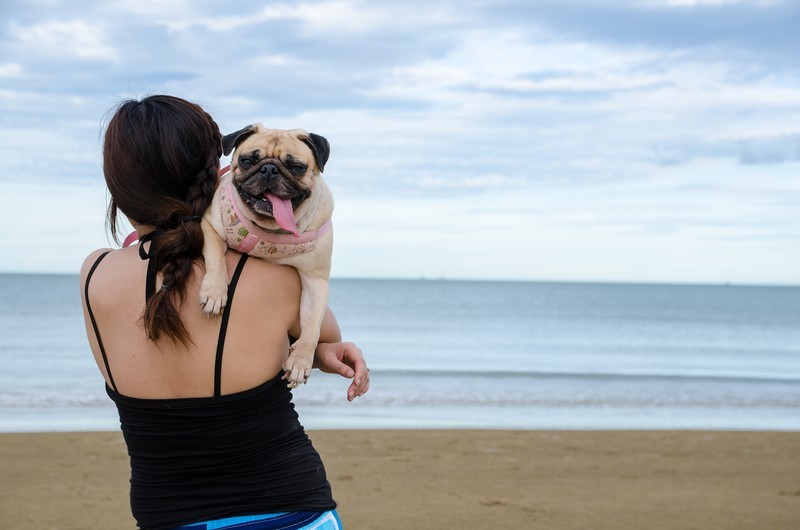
269	170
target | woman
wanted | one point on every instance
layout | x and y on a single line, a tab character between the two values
213	437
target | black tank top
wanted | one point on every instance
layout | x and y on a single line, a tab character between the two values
197	459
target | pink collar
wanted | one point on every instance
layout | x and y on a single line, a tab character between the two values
133	236
256	233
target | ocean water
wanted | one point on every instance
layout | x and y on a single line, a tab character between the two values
459	354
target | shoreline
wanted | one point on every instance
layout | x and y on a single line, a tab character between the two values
336	414
555	479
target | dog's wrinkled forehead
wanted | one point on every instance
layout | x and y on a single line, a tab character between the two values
274	144
259	142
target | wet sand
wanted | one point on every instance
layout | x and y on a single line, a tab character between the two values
429	479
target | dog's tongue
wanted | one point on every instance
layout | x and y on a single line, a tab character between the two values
283	213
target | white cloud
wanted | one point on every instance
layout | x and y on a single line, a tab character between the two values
325	16
335	18
467	182
11	70
279	60
74	38
716	3
770	149
46	3
153	8
487	60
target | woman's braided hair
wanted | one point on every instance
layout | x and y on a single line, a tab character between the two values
161	165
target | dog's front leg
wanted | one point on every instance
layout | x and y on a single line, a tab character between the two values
313	302
214	288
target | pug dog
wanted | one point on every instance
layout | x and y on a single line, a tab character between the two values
274	204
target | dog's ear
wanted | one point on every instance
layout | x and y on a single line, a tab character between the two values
319	146
230	141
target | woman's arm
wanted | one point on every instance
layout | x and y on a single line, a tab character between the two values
344	358
329	331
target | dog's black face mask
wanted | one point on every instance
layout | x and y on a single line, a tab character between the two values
262	183
274	172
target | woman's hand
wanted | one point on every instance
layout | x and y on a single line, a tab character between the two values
345	359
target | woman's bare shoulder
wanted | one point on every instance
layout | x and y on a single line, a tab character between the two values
111	273
267	278
91	259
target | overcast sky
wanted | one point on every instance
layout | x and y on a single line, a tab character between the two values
588	140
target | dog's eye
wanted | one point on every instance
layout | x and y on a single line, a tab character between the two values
245	162
297	168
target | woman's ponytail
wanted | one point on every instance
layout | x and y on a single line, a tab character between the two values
161	163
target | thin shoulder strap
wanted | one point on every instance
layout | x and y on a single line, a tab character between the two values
223	329
94	322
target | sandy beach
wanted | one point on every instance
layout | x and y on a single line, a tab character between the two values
404	479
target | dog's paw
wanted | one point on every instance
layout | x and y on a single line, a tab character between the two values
213	296
297	367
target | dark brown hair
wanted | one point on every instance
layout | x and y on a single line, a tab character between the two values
161	165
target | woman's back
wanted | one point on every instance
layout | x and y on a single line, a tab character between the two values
199	452
264	312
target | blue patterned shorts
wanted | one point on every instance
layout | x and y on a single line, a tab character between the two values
274	521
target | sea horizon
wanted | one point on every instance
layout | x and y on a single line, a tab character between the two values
677	283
